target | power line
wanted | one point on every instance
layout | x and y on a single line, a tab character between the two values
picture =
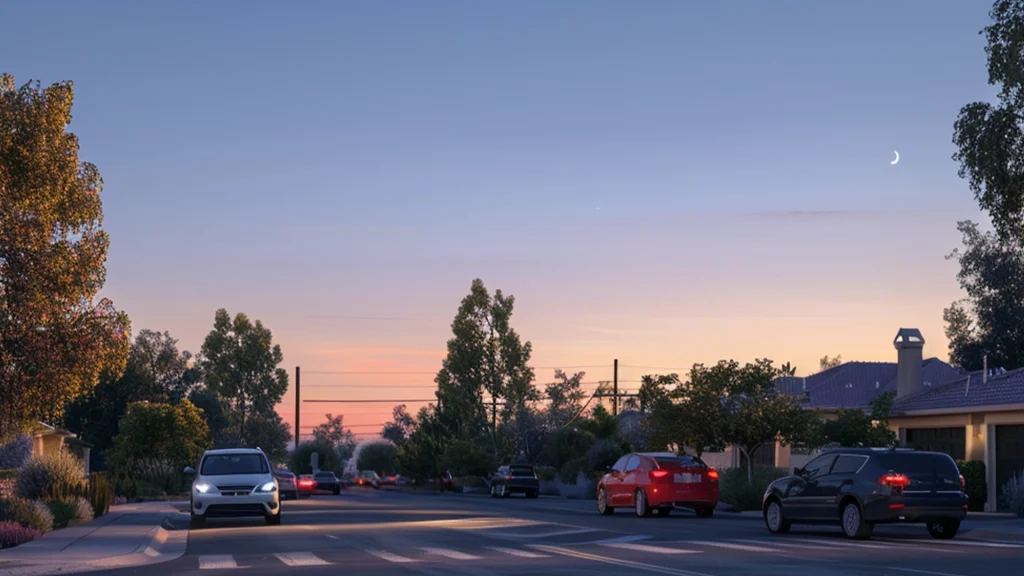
676	370
431	385
370	401
434	372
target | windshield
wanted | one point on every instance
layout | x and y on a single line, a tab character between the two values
680	462
228	464
325	475
521	470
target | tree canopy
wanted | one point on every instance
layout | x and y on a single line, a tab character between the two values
56	339
158	440
333	431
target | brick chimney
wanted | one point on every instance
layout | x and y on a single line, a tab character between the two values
909	345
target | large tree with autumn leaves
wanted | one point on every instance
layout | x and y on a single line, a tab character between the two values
56	337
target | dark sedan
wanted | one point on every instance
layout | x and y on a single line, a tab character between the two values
327	482
858	488
517	478
287	484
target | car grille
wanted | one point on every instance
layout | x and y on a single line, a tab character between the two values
235	490
235	510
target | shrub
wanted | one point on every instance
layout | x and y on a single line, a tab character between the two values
974	481
545	473
83	511
734	489
1012	494
33	515
12	534
467	458
99	493
571	470
51	476
565	445
15	453
63	512
604	453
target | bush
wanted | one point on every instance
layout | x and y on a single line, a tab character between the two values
467	458
737	491
380	457
1012	494
328	460
973	472
604	453
545	473
30	514
15	453
83	511
570	472
51	476
565	445
99	493
12	534
63	512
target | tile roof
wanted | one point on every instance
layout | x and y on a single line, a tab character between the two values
967	392
857	384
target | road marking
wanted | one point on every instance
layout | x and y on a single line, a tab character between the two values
301	559
383	555
619	540
511	536
916	544
915	571
447	553
766	543
651	549
332	536
744	547
616	561
842	543
967	543
520	553
217	562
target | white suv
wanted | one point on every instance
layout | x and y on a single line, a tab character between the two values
232	483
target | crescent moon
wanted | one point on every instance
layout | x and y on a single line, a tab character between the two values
896	161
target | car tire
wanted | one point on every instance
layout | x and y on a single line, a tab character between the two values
853	522
602	503
532	494
775	519
943	530
337	490
273	519
640	504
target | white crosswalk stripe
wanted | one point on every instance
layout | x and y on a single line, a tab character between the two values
217	562
384	555
733	546
519	553
784	544
650	549
448	553
301	559
839	543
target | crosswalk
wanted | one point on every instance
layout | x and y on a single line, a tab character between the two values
635	547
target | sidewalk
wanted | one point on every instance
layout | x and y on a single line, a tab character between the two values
129	535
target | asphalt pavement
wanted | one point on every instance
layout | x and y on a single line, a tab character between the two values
365	531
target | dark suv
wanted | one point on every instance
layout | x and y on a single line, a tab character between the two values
860	487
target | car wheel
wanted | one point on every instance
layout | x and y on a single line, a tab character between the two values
774	519
337	491
944	530
602	502
854	525
643	509
273	519
532	494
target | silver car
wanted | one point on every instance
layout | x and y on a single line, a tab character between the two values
232	483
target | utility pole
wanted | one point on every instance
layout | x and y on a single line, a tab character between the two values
615	388
494	413
297	405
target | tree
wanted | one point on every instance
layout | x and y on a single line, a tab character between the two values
160	369
827	363
420	456
334	432
988	320
789	370
401	426
565	398
380	457
56	339
855	428
989	137
240	365
328	457
157	441
270	433
467	458
687	413
216	417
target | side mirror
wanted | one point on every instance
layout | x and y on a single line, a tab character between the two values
189	471
798	471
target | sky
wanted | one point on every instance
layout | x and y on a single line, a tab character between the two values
660	182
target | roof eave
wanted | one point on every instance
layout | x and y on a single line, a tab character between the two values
961	410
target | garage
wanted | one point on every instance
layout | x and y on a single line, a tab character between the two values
1009	453
951	440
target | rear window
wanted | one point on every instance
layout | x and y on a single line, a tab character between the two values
680	462
918	464
325	475
228	464
522	470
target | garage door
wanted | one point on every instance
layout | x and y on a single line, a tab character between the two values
1009	453
952	441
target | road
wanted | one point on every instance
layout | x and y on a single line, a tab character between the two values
405	534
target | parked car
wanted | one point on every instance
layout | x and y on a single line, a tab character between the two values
368	478
286	484
306	485
657	482
447	482
326	481
231	483
516	478
858	488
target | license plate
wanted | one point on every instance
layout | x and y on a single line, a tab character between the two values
687	478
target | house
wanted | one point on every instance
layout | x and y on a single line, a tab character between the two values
47	439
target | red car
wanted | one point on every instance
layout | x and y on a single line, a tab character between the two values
657	482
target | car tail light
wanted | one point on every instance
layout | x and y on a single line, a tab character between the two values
963	484
713	474
896	482
508	477
658	474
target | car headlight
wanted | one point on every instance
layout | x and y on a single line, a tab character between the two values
202	487
267	487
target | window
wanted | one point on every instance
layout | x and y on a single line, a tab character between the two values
849	464
522	470
680	462
818	467
633	463
227	464
620	464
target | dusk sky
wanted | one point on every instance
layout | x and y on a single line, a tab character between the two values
662	182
